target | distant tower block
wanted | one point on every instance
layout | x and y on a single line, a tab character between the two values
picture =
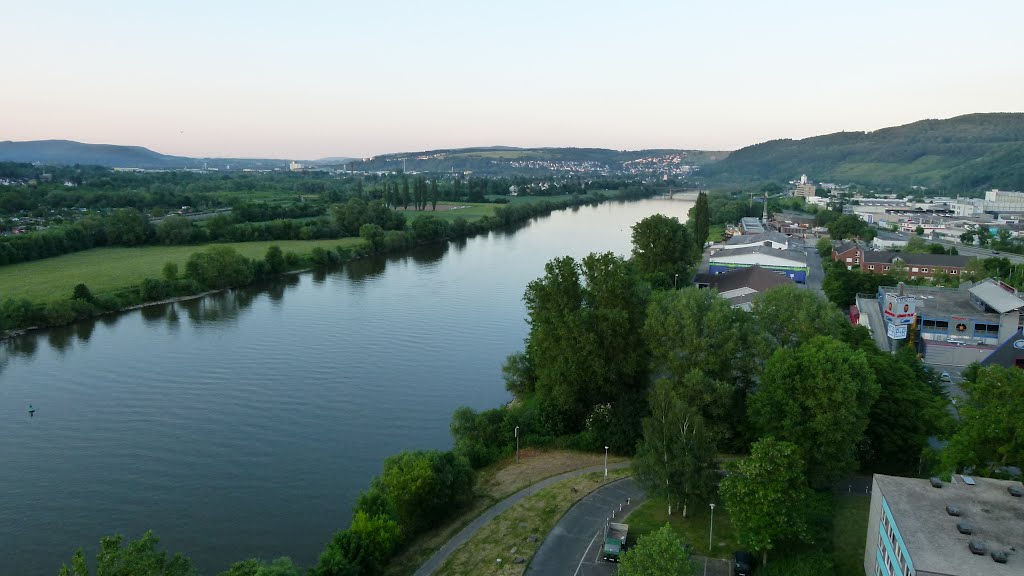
803	178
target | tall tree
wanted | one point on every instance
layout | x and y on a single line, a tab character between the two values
675	459
662	249
659	553
991	430
790	316
702	346
701	222
585	342
280	567
818	397
766	496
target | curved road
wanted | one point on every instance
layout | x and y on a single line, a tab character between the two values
466	533
573	546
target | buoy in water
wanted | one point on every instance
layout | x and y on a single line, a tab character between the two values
31	410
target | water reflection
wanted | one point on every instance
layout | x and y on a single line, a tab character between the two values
84	329
60	338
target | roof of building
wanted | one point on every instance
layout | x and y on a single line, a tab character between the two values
741	285
751	225
889	236
930	533
937	301
846	246
996	297
751	238
1007	353
917	259
793	255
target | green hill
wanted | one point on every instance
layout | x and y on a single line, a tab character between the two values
971	152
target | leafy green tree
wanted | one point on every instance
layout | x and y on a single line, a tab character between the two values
702	346
282	566
818	397
662	248
675	458
824	247
520	378
848	226
170	271
659	553
916	244
701	221
219	267
422	488
919	231
275	259
788	316
82	292
127	227
174	230
991	430
585	341
138	558
373	234
908	411
767	495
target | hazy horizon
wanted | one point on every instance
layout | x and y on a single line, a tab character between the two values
249	79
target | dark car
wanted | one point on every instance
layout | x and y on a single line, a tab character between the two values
742	564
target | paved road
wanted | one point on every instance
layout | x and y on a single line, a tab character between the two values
573	546
442	554
964	250
815	272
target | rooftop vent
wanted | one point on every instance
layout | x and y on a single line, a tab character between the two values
999	556
978	548
1015	491
964	528
952	510
936	482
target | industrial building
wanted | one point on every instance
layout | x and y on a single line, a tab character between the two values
966	527
774	240
740	286
790	263
751	225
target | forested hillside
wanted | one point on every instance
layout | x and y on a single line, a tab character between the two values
971	152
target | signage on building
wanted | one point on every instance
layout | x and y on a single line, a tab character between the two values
1019	344
899	309
898	332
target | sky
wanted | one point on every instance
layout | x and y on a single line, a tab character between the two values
305	80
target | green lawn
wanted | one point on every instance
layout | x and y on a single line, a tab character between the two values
109	269
470	213
849	533
693	530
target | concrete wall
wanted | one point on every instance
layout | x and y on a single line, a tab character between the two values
871	538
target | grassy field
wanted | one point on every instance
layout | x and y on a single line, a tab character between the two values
534	515
494	483
109	269
849	533
467	210
692	530
535	199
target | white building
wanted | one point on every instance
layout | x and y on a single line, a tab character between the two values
295	167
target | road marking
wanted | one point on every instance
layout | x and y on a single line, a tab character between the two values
587	551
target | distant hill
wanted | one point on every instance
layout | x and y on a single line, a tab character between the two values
971	152
69	152
506	160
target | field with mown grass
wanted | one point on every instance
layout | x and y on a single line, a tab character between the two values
692	530
535	199
849	533
106	270
469	211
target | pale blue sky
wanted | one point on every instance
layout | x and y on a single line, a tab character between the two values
312	79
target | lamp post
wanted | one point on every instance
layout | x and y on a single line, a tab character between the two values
517	444
711	530
605	461
675	281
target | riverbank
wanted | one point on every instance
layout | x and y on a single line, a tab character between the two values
51	282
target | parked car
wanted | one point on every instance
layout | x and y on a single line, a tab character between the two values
742	563
945	377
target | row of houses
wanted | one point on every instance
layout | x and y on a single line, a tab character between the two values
856	256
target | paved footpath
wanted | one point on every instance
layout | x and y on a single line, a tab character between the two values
442	554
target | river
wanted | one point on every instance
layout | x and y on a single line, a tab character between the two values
245	423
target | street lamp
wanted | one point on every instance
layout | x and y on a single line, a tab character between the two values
711	531
674	281
517	444
605	461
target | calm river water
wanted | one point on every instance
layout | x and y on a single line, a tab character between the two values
246	423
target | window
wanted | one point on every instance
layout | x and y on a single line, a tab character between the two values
886	267
924	270
954	271
913	269
849	259
871	266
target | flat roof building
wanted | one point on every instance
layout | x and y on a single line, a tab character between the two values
912	529
740	286
751	225
791	263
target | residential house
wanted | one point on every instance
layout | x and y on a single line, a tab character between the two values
740	286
